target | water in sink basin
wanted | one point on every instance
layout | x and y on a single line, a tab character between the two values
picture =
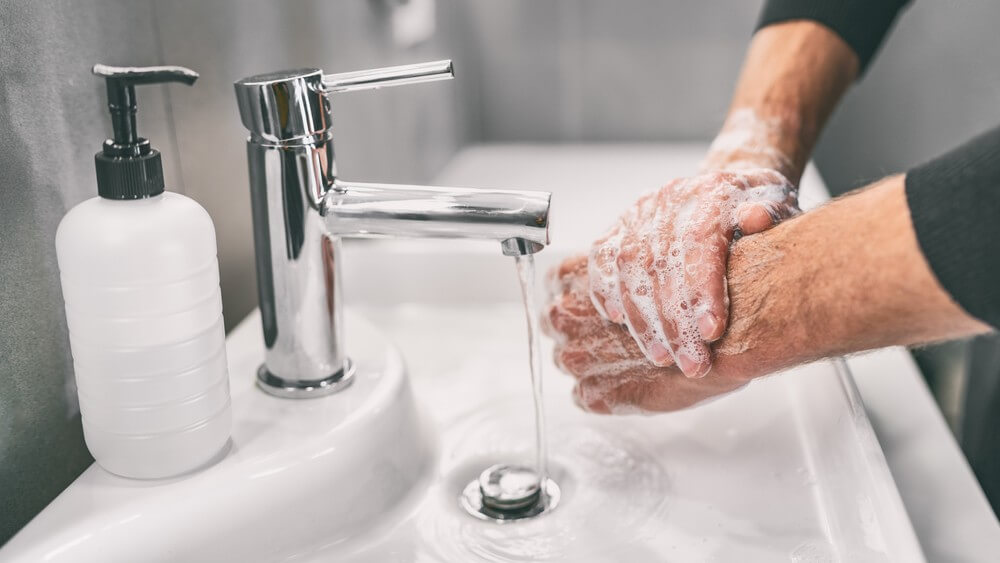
777	472
611	488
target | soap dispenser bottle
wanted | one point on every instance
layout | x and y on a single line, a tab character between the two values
140	281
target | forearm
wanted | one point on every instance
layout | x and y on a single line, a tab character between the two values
793	76
844	278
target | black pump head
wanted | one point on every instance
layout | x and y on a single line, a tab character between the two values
127	166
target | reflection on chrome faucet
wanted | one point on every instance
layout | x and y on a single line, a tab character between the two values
301	209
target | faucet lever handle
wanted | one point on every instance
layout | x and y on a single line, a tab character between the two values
388	76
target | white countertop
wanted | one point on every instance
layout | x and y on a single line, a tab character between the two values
948	509
952	518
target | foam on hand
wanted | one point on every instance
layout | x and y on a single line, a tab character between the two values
660	270
594	351
748	140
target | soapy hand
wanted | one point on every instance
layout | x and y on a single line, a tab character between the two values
661	269
613	375
797	295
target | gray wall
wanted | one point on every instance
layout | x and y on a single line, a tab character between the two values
593	70
53	119
935	84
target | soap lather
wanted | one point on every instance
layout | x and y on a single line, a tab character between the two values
140	282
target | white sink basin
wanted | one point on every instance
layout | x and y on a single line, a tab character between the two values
787	470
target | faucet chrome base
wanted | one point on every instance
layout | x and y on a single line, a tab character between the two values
297	389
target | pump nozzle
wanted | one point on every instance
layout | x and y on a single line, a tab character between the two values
127	167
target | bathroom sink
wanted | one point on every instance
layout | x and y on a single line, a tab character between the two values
785	470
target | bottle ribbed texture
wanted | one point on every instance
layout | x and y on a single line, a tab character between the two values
122	393
152	381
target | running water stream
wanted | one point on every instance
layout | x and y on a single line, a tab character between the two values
526	275
503	491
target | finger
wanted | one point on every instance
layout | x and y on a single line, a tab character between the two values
600	357
673	308
602	271
547	322
667	391
569	319
561	323
618	395
705	251
684	321
613	395
706	288
698	262
771	198
752	218
560	278
642	317
557	355
679	265
577	362
589	394
568	309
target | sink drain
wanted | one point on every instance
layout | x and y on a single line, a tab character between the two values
509	492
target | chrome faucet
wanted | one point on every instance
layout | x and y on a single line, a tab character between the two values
301	210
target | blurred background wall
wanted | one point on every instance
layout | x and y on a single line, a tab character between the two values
527	71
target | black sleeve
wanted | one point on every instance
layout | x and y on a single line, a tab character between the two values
862	24
954	203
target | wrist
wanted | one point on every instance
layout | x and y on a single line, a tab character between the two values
844	278
760	137
772	326
792	77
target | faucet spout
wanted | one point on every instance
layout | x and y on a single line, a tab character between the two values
302	210
517	219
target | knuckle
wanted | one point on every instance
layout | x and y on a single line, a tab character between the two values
557	359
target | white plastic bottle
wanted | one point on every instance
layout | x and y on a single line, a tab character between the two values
140	281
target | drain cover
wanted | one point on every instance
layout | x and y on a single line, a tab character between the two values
509	492
509	487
